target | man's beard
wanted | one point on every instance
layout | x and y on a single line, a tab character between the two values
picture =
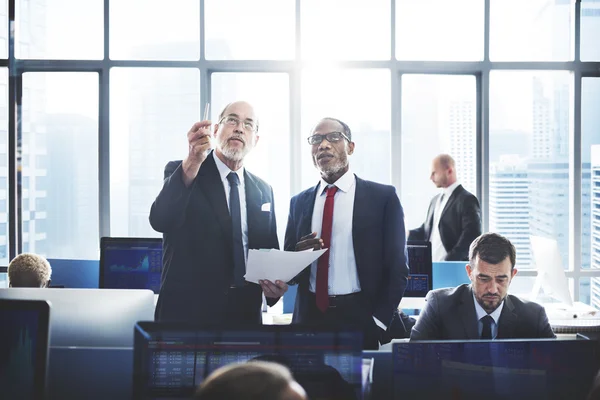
234	154
332	170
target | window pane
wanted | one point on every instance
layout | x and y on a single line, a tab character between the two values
59	29
249	30
61	191
585	290
153	30
590	185
529	166
532	30
4	166
360	98
346	29
3	29
269	94
151	112
590	30
439	30
439	115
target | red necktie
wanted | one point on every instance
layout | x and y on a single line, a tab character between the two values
322	290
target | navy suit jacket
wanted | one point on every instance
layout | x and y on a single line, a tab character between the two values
449	314
379	246
460	224
198	242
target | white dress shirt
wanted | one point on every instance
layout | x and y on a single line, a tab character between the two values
223	172
438	250
482	313
343	274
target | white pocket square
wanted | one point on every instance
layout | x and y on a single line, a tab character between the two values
266	207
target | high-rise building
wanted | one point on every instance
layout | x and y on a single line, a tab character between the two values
595	224
161	104
460	126
34	207
509	203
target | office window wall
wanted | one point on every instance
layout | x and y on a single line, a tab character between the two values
509	89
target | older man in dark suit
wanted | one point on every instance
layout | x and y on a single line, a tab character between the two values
453	218
483	309
359	282
211	211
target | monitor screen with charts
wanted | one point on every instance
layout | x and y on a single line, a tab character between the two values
420	279
130	263
23	348
171	360
500	369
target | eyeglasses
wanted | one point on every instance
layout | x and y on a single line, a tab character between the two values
234	121
332	137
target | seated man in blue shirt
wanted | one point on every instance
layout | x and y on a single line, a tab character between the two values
483	309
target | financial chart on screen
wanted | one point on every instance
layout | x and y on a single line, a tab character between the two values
502	369
131	263
171	363
421	269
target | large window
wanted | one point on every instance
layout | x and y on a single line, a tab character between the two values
60	113
439	115
529	158
152	110
103	111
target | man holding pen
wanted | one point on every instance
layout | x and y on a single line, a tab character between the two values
359	282
211	211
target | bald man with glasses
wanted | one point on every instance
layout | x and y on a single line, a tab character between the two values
211	210
358	283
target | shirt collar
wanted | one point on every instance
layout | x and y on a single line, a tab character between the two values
344	183
448	191
482	313
224	169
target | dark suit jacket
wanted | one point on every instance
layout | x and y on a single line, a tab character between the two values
460	224
379	246
197	242
450	315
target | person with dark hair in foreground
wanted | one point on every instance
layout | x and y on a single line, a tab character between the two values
29	270
256	380
483	309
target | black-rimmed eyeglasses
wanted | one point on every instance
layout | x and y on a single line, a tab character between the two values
332	137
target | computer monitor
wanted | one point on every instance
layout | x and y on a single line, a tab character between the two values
420	278
171	360
24	329
130	263
91	317
497	369
551	276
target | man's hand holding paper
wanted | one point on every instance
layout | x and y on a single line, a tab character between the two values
276	265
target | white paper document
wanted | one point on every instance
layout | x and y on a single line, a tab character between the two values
280	265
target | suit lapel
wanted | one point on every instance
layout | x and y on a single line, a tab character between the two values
307	205
254	201
508	320
452	200
209	182
468	315
359	213
429	222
